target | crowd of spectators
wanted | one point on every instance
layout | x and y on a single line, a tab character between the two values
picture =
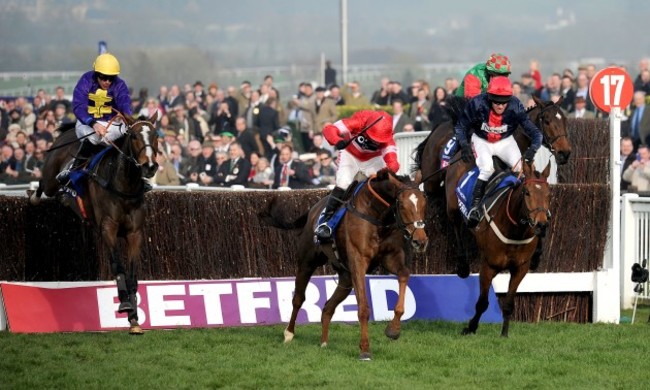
248	136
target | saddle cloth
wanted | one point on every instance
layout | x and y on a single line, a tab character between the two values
498	184
78	177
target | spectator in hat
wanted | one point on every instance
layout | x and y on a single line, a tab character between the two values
580	104
189	167
227	138
324	109
207	164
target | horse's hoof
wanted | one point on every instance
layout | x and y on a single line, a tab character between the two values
365	356
125	307
323	344
136	330
467	331
391	334
288	336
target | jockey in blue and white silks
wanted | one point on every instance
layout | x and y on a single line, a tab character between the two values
493	117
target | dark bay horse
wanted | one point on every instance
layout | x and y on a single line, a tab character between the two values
547	116
383	219
113	197
507	237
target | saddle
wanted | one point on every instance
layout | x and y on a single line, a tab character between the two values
498	185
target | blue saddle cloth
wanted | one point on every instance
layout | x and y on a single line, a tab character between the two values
78	177
466	184
333	222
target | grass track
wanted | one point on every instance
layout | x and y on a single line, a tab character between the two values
428	355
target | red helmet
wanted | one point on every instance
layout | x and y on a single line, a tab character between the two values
500	89
498	64
381	131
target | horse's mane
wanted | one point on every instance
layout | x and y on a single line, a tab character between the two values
455	105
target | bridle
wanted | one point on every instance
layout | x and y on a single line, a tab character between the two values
529	214
539	122
409	228
130	156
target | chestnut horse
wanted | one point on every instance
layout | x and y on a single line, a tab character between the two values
383	218
112	197
547	116
507	236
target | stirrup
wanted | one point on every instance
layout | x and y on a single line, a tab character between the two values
323	231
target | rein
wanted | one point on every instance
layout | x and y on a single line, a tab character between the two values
399	220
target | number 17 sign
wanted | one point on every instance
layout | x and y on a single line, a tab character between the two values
611	87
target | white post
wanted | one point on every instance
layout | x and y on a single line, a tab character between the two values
321	78
344	41
607	301
629	242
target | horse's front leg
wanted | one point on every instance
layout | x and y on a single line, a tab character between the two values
134	247
486	275
306	269
109	230
508	307
358	271
340	293
396	266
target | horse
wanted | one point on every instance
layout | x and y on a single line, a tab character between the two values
507	236
112	198
547	116
384	221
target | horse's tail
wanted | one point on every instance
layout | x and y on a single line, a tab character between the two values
455	105
273	216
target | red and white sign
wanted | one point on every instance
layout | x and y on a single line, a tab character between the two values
611	87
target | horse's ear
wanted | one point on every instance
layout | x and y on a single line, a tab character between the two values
547	170
153	118
559	101
538	101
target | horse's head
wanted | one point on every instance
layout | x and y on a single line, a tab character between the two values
537	198
142	144
553	123
409	208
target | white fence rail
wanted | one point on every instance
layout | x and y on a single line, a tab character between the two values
635	244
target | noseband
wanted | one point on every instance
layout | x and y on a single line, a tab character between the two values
539	122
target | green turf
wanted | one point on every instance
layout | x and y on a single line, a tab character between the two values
428	355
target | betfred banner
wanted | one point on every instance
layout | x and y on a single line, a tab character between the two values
76	307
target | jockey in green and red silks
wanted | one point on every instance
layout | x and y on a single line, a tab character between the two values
477	78
96	96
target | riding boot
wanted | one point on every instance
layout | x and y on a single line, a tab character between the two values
83	153
324	231
474	213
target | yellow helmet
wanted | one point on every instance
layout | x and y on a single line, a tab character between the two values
107	64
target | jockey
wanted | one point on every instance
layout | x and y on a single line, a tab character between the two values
477	78
362	149
493	117
96	94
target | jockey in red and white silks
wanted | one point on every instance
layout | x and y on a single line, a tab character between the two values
365	143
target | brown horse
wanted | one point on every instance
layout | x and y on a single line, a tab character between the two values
113	198
547	116
383	219
507	236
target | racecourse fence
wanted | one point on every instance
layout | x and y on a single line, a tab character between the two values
218	235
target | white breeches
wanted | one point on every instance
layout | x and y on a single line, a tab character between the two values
506	149
350	165
116	130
